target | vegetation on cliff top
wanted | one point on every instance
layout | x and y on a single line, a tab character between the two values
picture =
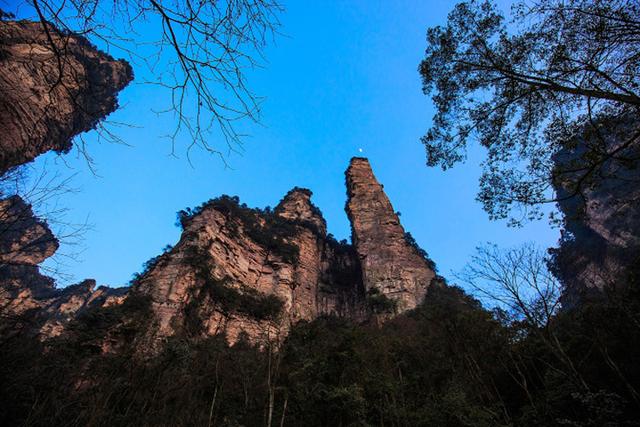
263	226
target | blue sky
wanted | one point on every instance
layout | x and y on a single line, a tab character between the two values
343	77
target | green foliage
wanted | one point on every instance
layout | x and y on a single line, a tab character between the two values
523	85
229	299
447	363
412	242
122	321
244	300
149	265
379	303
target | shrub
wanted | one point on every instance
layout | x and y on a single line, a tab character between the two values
379	303
229	299
244	300
412	242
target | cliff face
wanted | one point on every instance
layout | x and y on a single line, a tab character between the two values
28	299
240	271
53	86
50	94
601	236
234	271
390	264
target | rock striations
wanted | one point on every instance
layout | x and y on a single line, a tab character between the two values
53	86
238	271
244	272
241	271
391	263
235	271
29	299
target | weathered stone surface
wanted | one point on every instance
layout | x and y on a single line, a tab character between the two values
214	245
247	272
296	206
48	95
227	253
24	239
389	263
223	244
27	297
50	91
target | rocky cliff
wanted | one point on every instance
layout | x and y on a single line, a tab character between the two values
391	262
28	299
235	270
238	270
53	86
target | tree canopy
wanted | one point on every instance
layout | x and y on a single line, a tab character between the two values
527	89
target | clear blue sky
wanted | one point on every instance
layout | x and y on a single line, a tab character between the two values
343	77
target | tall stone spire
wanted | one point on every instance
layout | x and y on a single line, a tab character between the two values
390	263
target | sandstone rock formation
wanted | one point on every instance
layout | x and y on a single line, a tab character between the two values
235	271
51	91
53	86
28	299
24	239
390	263
240	271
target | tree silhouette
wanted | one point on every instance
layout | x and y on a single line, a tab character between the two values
530	88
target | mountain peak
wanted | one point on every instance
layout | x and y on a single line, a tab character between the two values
297	206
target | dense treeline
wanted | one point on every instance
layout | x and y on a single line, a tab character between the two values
448	363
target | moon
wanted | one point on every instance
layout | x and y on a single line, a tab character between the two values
360	150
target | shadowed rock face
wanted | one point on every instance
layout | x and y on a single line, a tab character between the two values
24	239
389	263
53	86
47	95
601	236
28	299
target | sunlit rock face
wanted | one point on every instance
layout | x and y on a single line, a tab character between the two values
222	278
235	271
29	300
246	272
47	95
389	263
